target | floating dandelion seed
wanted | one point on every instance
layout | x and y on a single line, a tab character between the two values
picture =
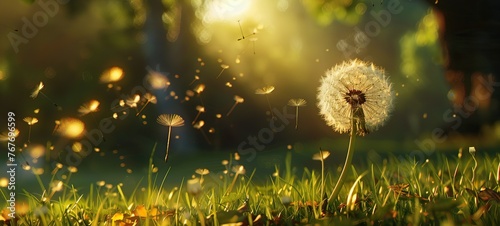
224	67
321	155
133	100
70	127
31	121
89	107
170	120
150	98
202	172
113	74
253	40
196	77
38	90
200	110
297	103
198	125
237	169
237	100
266	90
6	135
57	122
354	97
157	80
242	35
199	88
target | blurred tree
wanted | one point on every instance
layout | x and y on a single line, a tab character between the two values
470	35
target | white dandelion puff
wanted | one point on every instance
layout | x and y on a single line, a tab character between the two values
355	89
354	97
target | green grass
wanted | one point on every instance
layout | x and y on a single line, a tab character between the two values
446	190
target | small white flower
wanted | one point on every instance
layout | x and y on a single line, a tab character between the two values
358	88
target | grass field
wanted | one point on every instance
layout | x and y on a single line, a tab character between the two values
458	189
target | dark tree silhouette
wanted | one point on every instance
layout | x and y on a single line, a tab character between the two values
470	36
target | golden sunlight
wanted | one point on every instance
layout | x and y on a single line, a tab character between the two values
220	10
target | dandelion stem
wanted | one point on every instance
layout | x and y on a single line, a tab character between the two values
220	73
137	114
195	118
348	160
296	117
269	104
322	173
232	108
232	184
205	136
54	103
168	142
29	134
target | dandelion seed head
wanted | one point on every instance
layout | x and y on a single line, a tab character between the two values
265	90
199	124
5	135
199	88
89	107
239	169
133	100
172	120
30	120
200	108
72	169
238	99
299	102
355	85
224	66
150	98
202	171
472	150
38	171
321	155
37	90
56	185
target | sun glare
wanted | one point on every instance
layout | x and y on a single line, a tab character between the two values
220	10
